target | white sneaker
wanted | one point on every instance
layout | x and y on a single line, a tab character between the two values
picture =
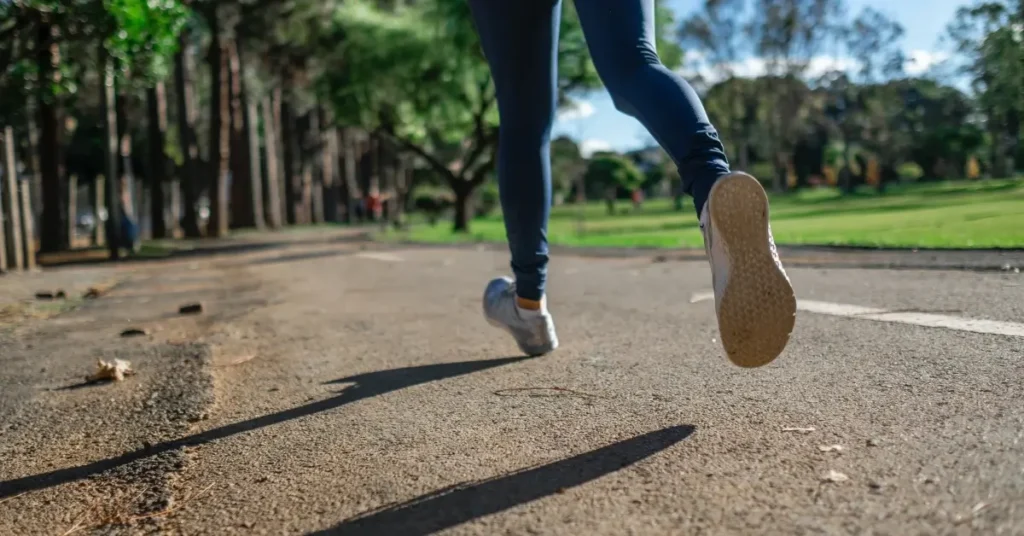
753	296
534	331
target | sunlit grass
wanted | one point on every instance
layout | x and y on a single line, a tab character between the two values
983	214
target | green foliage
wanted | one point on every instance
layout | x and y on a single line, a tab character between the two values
567	164
144	36
613	171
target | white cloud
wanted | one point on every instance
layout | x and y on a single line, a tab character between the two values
920	61
576	110
753	67
589	147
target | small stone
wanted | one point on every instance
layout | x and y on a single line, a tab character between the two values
875	485
874	442
134	332
835	476
190	309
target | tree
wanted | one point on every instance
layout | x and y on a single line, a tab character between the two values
418	77
989	36
613	172
567	166
49	43
788	34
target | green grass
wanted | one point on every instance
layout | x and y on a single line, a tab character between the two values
983	214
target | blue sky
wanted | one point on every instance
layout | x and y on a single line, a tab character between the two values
598	125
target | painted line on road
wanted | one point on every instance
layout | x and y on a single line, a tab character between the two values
383	257
974	325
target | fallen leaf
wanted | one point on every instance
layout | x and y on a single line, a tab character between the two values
835	476
831	448
115	370
798	429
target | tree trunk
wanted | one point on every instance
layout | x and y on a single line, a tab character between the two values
33	164
243	211
11	203
53	231
220	131
272	192
187	138
255	173
126	181
71	202
112	226
27	227
463	207
313	189
98	195
352	193
400	186
156	104
292	179
744	156
329	170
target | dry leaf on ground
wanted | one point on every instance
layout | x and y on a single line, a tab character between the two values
114	370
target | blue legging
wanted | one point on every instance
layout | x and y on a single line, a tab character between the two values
520	40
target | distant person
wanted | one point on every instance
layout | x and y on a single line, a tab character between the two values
753	297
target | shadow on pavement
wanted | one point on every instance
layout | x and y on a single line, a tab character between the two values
448	507
365	386
295	257
197	248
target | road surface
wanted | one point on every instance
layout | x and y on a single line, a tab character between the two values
341	388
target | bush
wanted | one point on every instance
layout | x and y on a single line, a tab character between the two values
487	198
432	202
909	171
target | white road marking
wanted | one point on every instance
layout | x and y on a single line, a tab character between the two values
383	257
702	296
974	325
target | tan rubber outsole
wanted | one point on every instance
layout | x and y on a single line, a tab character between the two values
757	311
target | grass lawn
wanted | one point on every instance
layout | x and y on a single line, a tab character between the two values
982	214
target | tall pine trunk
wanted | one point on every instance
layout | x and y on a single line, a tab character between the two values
220	130
272	190
351	179
255	172
330	174
156	160
190	178
53	231
313	191
243	210
292	179
112	226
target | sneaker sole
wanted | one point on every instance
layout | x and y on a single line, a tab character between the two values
757	311
536	352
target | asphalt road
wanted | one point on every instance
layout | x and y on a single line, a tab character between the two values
330	389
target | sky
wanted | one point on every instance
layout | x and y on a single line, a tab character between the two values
597	125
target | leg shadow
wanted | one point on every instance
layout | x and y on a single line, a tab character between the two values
365	386
448	507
